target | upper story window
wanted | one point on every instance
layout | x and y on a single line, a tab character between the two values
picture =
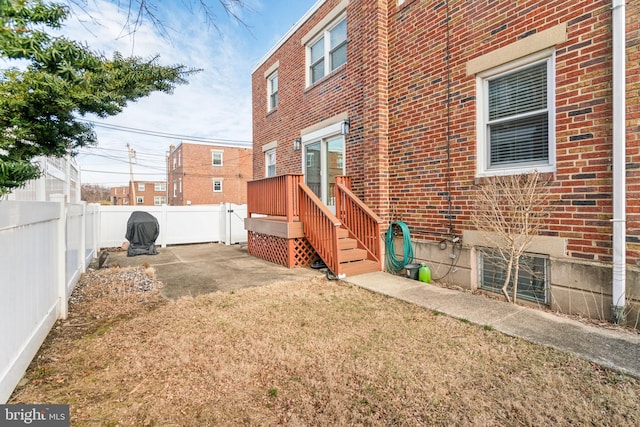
328	50
516	117
140	187
270	162
216	158
160	186
272	89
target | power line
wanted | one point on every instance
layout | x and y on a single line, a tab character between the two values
165	134
120	151
119	173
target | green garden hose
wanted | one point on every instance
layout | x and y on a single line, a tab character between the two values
393	263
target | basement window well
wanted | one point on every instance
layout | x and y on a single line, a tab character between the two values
532	275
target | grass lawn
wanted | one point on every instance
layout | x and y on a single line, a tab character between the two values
313	352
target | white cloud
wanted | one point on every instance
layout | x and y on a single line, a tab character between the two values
215	104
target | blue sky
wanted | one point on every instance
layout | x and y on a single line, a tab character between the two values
216	104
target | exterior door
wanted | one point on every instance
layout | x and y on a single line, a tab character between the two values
323	162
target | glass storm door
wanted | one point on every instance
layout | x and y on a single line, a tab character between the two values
313	168
324	161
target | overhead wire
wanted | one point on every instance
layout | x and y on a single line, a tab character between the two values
161	134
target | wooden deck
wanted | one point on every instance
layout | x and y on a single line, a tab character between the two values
290	226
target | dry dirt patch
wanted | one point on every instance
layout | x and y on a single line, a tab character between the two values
312	352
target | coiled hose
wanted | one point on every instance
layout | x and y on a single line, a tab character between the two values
393	263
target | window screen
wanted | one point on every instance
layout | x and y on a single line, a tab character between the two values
518	117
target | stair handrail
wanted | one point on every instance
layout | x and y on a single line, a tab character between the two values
320	228
363	224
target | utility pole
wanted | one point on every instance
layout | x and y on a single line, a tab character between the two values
132	155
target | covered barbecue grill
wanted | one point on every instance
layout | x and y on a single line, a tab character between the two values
142	232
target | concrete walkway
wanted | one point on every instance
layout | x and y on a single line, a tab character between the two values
614	348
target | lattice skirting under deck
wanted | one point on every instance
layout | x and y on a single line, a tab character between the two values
290	253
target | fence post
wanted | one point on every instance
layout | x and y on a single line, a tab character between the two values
60	278
83	238
223	224
163	226
96	229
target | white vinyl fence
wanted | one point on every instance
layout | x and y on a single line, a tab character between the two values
178	224
44	248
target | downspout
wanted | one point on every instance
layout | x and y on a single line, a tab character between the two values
619	161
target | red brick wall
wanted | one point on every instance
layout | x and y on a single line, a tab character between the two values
418	109
395	87
119	195
148	194
197	174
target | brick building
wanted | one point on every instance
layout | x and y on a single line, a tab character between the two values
140	193
419	101
120	195
200	173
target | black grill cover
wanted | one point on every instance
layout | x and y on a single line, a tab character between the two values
142	232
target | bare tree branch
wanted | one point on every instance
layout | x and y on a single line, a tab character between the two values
139	11
510	211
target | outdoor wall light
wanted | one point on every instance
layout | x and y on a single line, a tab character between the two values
344	127
296	144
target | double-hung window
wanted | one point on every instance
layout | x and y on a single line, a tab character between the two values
272	89
217	185
516	125
270	162
216	158
328	50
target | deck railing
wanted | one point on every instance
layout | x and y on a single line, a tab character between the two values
320	228
274	196
361	221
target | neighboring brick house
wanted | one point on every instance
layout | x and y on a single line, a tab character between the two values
200	174
417	101
140	193
120	195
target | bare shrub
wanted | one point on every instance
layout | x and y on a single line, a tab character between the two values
510	210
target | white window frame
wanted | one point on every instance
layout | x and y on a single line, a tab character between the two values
270	155
139	200
482	110
158	200
160	186
213	159
322	135
141	187
272	95
175	188
325	34
217	181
